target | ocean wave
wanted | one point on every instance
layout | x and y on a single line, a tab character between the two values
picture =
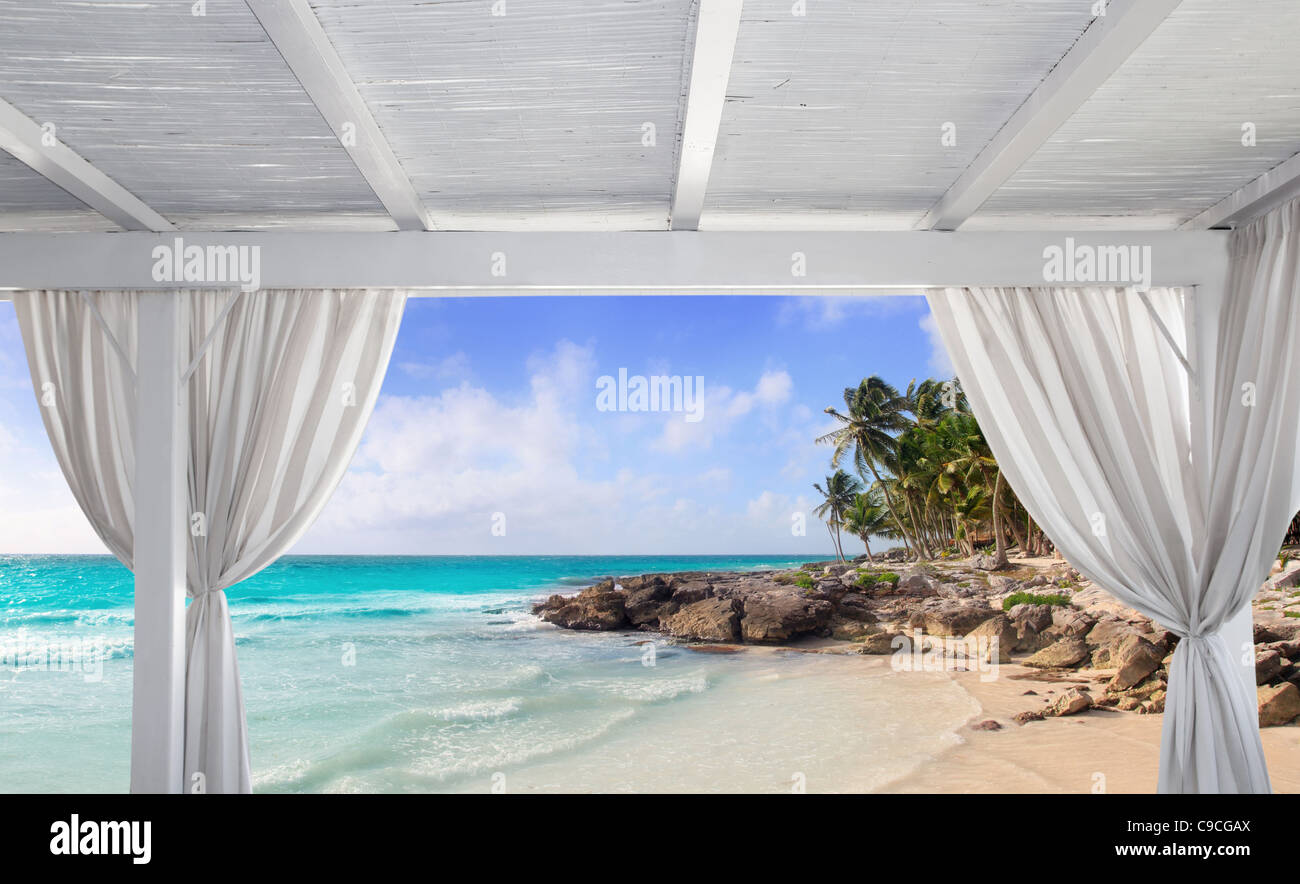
659	690
480	710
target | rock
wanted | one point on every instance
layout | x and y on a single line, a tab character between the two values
916	583
691	591
1105	637
1064	654
1268	664
850	630
599	607
883	643
709	620
1036	617
986	563
855	608
1068	621
1278	704
1071	702
838	569
1023	718
986	725
1035	581
997	628
1128	704
1032	623
955	618
643	602
775	617
1290	650
1135	658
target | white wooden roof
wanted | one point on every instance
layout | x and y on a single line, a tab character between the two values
371	115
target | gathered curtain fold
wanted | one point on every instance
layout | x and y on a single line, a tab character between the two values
1172	492
277	404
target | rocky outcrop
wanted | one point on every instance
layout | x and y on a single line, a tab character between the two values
1064	654
1278	704
777	617
598	607
708	620
1134	659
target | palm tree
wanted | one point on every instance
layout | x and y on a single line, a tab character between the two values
875	412
838	496
867	516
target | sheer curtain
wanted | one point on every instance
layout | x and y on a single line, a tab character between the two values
277	405
1096	424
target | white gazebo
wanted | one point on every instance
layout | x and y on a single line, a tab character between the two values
212	211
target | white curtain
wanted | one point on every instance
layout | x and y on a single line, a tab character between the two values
1173	493
277	406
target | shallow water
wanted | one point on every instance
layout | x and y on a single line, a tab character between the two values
428	674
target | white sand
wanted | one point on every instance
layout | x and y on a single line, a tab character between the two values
1093	751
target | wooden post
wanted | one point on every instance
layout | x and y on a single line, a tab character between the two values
161	445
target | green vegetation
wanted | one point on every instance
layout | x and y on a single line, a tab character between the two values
867	580
1029	598
1291	613
804	581
928	476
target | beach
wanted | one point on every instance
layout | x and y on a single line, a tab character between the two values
432	674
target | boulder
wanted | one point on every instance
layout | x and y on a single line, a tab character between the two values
599	607
1135	658
779	616
708	620
999	628
1070	702
1268	665
1064	654
1278	704
955	618
880	643
986	563
1026	717
917	583
1032	623
1068	621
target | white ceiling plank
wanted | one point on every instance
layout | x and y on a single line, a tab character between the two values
297	34
715	45
629	263
22	136
1274	187
1104	46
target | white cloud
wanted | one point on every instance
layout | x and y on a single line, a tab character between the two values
939	362
723	407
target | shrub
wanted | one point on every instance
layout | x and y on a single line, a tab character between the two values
805	581
867	580
1291	613
1029	598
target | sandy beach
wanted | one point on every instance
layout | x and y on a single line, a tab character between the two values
1093	751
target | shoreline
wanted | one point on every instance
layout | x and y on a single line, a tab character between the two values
1086	722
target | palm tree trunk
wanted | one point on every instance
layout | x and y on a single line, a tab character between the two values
889	505
999	536
867	544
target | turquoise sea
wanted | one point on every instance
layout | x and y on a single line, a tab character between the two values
429	674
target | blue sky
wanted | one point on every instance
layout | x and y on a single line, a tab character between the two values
488	419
